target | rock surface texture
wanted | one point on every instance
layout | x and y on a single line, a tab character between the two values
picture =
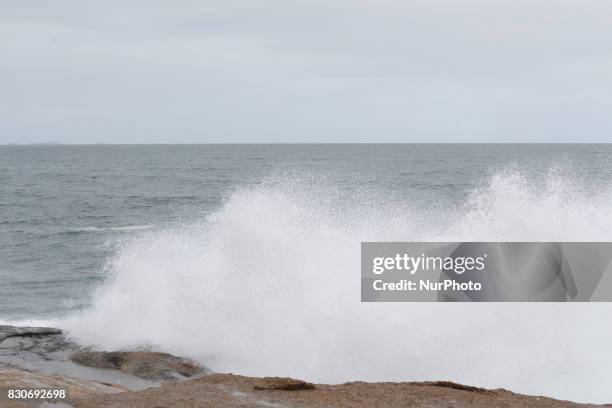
45	358
143	364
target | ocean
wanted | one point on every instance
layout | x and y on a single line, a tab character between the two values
246	257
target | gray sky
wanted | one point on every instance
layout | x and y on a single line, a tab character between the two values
182	71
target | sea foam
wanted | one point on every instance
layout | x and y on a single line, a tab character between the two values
269	285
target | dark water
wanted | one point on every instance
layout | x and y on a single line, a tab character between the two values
65	209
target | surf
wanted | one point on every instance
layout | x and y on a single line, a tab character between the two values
268	284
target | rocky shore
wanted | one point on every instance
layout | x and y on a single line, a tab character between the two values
45	358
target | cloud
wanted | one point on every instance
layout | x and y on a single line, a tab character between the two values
278	71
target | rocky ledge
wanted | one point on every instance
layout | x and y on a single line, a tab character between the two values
44	357
144	364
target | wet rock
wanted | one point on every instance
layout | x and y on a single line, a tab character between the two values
143	364
12	331
33	343
284	384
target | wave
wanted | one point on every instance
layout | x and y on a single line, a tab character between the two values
269	285
117	228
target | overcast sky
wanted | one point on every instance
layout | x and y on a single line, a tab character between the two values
181	71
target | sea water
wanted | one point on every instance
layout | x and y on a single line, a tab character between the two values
246	257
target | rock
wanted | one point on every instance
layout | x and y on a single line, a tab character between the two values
33	345
284	384
44	357
143	364
455	386
12	331
224	390
13	378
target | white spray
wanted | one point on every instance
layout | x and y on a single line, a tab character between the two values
269	285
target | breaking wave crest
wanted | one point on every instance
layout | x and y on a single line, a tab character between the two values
269	285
